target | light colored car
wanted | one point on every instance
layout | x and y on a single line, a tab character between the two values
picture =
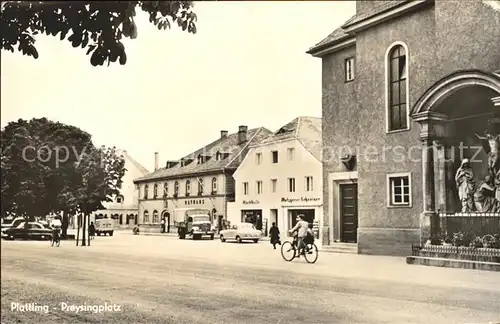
241	232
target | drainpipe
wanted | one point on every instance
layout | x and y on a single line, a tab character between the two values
225	191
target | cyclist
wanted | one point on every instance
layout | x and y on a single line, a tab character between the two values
56	227
301	228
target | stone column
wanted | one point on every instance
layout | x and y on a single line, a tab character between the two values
432	127
427	218
441	168
450	179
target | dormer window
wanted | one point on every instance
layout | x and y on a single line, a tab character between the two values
188	188
119	199
203	158
221	155
185	162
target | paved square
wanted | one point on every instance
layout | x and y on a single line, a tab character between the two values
151	279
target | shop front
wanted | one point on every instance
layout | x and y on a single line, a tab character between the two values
292	207
253	216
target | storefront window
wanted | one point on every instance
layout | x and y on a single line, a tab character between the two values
253	217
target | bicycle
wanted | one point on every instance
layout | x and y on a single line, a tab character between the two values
56	238
310	252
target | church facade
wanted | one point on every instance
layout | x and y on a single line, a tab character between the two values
409	92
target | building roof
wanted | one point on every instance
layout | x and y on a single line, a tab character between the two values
336	36
305	129
384	6
136	164
232	155
339	34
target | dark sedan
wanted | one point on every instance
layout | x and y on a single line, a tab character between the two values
36	231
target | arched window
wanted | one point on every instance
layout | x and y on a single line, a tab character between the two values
397	87
165	189
146	191
176	188
214	185
188	187
155	217
121	219
146	217
155	191
200	186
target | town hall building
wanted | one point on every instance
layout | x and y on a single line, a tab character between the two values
408	93
280	178
200	180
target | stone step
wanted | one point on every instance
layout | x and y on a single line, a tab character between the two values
453	263
340	248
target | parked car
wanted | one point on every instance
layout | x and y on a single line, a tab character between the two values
36	231
241	232
14	223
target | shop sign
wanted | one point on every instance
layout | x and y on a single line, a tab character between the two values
194	202
300	200
250	202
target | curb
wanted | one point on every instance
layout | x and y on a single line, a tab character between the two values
266	239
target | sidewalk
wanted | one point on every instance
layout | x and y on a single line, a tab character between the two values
129	232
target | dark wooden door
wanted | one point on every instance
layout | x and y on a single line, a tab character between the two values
349	212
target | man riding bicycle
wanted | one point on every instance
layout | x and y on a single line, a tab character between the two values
301	228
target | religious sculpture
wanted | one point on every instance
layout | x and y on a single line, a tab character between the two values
466	186
491	146
486	199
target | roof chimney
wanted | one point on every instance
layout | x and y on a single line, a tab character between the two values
223	133
242	134
156	161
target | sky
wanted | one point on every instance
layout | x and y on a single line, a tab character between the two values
246	65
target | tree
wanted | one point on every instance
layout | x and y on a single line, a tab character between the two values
70	174
101	171
98	26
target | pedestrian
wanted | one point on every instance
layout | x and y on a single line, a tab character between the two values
92	230
274	233
163	225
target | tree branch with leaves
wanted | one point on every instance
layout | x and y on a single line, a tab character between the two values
98	26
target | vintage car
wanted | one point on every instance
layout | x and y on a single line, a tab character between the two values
241	232
13	223
104	226
36	231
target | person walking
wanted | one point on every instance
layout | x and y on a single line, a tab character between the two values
163	225
274	233
92	230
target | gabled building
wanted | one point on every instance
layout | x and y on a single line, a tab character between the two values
123	209
281	177
406	85
202	179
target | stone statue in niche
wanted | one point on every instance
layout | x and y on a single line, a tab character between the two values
484	198
491	146
466	186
